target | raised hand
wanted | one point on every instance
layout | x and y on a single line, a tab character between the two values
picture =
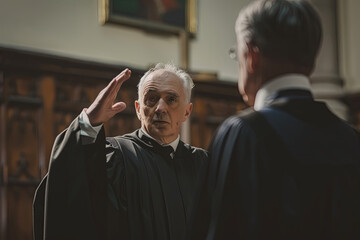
104	106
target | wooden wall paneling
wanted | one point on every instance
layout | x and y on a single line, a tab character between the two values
72	94
197	119
19	221
209	113
47	135
214	101
23	117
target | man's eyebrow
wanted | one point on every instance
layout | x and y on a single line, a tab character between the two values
173	94
150	90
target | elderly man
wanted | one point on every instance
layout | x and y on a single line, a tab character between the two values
136	186
289	169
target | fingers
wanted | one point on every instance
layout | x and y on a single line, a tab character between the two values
118	107
117	81
123	76
103	108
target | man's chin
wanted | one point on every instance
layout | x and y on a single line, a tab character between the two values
160	129
161	134
161	126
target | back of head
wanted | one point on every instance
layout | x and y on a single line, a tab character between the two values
284	30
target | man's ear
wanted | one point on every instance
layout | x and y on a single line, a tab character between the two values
253	58
137	108
188	111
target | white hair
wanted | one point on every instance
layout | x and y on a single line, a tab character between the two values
185	77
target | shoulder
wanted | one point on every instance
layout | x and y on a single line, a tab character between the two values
195	150
237	125
115	142
115	146
242	121
122	140
196	157
234	131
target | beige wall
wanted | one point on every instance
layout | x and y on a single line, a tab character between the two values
349	43
71	28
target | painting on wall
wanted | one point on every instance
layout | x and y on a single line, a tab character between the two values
163	16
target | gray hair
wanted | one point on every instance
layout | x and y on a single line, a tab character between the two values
287	30
185	77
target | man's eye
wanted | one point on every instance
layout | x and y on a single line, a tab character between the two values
172	99
152	99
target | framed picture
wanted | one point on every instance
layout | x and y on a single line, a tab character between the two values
162	16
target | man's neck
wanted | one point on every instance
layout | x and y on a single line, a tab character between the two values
173	142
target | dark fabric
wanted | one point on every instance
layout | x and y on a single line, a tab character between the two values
159	190
257	190
110	191
163	150
65	207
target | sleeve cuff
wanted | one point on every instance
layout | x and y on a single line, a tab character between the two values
87	131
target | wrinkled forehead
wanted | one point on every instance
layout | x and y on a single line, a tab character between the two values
163	80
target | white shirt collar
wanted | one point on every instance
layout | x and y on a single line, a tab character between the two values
288	81
173	144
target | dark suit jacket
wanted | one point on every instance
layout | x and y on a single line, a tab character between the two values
302	181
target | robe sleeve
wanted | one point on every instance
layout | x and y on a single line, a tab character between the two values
217	202
70	203
117	208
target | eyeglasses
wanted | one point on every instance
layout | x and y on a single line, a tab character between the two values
233	53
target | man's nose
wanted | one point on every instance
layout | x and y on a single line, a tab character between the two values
161	107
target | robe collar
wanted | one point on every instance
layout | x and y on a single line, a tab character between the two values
173	144
268	91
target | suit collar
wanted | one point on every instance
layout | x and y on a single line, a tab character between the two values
269	91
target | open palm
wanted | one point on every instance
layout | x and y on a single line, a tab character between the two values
104	107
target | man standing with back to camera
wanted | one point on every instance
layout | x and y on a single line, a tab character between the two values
289	169
137	186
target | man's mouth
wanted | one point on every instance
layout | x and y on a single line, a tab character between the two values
159	122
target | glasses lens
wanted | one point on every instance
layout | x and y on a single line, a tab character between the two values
233	53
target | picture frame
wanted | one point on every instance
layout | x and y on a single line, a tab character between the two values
157	16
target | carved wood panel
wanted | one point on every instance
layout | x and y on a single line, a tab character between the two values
208	114
22	145
19	224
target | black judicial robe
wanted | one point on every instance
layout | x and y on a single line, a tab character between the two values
109	191
306	188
